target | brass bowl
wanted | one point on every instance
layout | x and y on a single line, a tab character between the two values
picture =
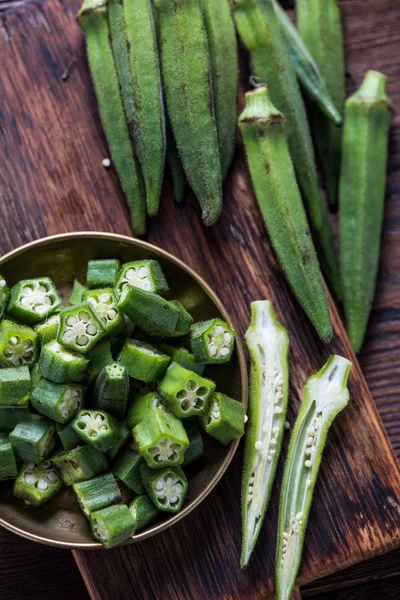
64	257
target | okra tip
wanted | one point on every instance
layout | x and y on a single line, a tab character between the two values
259	107
89	7
374	86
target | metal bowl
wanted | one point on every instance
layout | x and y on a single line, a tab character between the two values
64	257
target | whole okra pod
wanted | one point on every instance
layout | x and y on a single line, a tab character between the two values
325	395
93	18
271	169
368	114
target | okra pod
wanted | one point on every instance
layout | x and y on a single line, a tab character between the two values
268	342
143	511
36	484
112	525
102	273
18	345
104	303
34	438
77	293
47	330
189	97
31	300
325	395
195	449
80	328
99	357
368	114
79	464
15	386
127	470
224	419
8	465
122	436
111	390
97	493
96	428
175	165
271	169
144	361
184	321
144	274
93	19
212	341
151	312
166	487
222	47
61	365
56	401
185	393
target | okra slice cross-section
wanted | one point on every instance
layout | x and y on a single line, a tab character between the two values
18	345
56	401
212	341
185	393
96	428
36	484
166	487
144	361
79	328
97	493
31	300
144	274
224	420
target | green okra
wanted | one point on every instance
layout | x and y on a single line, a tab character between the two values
224	419
15	386
79	463
271	169
175	165
144	274
325	395
127	470
47	330
68	437
140	406
35	376
260	32
188	93
97	493
144	361
99	357
222	47
56	401
104	304
212	341
122	436
268	344
151	312
61	365
10	416
166	487
320	27
80	328
93	19
18	345
111	390
102	273
183	357
77	293
307	70
185	319
195	449
4	295
143	511
136	387
96	428
32	300
34	438
112	525
36	484
368	114
185	393
8	465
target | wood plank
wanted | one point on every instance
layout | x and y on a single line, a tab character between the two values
53	146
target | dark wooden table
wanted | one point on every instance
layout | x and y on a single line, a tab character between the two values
31	571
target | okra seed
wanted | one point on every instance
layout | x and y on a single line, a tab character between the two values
258	445
307	463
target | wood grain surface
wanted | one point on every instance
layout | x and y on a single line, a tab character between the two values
52	145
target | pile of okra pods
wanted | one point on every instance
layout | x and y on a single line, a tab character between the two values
83	403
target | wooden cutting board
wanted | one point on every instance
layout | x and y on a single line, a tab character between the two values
52	181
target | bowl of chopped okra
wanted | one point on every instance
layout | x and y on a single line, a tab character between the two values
123	390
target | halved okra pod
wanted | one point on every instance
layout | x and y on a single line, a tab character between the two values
260	32
36	484
143	511
96	428
143	361
8	465
4	295
97	493
188	92
195	449
140	406
224	419
79	464
185	393
112	525
222	47
166	487
325	395
263	129
61	365
362	191
268	343
10	416
80	328
104	303
212	341
151	312
47	330
57	401
102	273
93	18
18	345
77	293
320	27
111	390
32	300
68	437
127	470
33	438
183	357
15	386
144	274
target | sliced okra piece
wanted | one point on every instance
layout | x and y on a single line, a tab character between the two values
31	300
127	470
112	525
195	449
36	484
57	401
4	295
8	465
185	319
102	273
104	304
111	390
166	487
18	345
68	437
80	328
79	464
61	365
144	361
143	511
144	274
33	438
140	406
97	493
151	312
325	395
212	341
10	416
161	439
224	419
96	428
99	357
15	386
183	357
35	376
77	293
47	330
185	393
122	436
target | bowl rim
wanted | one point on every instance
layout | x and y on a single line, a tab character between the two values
163	526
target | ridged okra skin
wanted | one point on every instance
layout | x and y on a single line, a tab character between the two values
18	345
10	416
175	165
99	357
183	357
263	130
185	393
222	47
47	330
32	300
144	274
97	493
36	484
361	198
151	312
77	293
111	390
102	273
268	343
56	401
79	464
140	406
325	395
93	19
8	465
188	91
33	438
144	361
166	487
127	470
112	525
185	319
319	24
224	420
260	32
15	386
122	436
61	365
96	428
143	511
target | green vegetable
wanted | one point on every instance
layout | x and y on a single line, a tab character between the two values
99	357
8	465
79	328
60	365
112	525
151	312
143	361
47	330
185	393
140	406
4	295
57	401
32	300
69	439
212	341
166	487
111	390
96	428
33	438
35	376
77	293
183	357
79	464
104	304
144	274
97	493
127	470
15	386
18	345
175	165
143	511
195	449
36	484
10	416
224	419
102	273
184	321
122	436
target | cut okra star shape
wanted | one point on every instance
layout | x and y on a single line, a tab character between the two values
79	328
